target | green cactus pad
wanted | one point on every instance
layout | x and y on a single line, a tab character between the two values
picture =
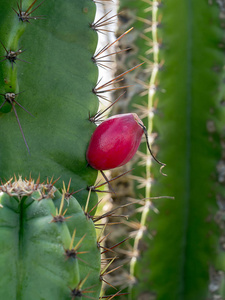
56	88
34	244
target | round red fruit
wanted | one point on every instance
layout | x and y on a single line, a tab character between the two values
115	141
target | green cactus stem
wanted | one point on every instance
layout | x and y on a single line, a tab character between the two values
179	252
184	257
49	243
55	87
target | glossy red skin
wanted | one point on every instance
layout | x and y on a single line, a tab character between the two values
114	142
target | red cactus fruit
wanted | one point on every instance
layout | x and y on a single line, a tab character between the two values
115	141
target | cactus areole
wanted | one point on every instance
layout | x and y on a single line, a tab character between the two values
115	141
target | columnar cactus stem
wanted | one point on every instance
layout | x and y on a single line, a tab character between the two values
188	113
50	243
148	204
182	259
57	88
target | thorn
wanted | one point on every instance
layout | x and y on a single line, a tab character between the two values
104	272
94	188
97	226
78	292
50	184
110	213
96	117
60	215
110	297
106	179
88	214
146	21
103	21
101	89
100	240
72	193
24	16
114	246
72	251
144	111
11	56
10	98
98	59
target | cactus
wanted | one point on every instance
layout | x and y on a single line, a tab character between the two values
46	99
53	86
41	231
195	104
48	96
178	253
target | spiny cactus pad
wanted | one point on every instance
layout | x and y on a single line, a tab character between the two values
54	84
42	236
